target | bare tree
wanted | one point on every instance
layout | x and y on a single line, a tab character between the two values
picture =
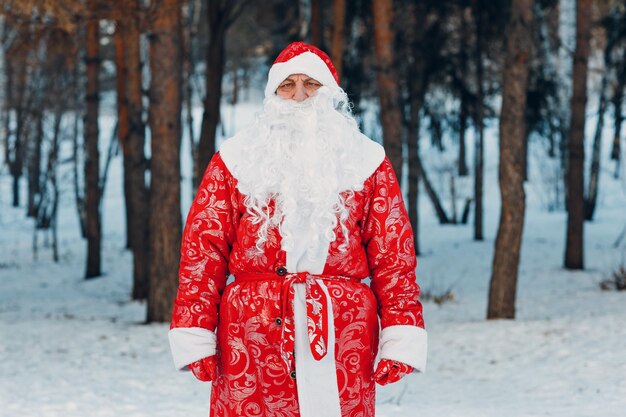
92	155
502	289
574	254
165	126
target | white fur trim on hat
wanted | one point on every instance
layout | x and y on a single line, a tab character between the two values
306	63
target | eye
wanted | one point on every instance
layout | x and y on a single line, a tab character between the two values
312	85
286	85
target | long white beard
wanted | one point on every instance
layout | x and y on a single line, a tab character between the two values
302	156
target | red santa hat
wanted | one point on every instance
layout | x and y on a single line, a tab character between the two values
301	58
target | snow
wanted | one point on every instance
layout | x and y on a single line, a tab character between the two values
76	348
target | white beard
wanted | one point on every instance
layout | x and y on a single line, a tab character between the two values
302	156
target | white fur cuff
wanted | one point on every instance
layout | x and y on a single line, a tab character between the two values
189	344
406	344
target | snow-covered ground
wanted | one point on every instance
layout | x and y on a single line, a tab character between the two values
76	348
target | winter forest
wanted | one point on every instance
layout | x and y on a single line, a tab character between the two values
502	120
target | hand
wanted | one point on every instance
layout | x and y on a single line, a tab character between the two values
205	369
389	371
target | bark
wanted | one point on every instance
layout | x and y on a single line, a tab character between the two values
6	104
317	35
220	17
574	254
480	129
140	195
165	126
133	143
53	159
92	156
594	174
432	194
388	91
502	290
189	65
416	102
34	166
464	111
78	192
121	78
16	159
463	171
618	99
339	29
215	62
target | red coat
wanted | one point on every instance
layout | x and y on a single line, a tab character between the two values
249	323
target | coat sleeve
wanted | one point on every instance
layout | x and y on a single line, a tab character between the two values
208	236
388	238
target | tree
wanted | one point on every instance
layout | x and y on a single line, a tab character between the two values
613	66
220	15
388	93
511	168
575	199
92	155
317	23
18	100
338	42
131	135
165	126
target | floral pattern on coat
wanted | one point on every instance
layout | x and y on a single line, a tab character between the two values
219	240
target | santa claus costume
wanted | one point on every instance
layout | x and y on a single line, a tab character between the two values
301	208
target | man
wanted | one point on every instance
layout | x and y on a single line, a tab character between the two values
300	207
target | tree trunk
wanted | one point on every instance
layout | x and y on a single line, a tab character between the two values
480	130
92	156
121	78
463	171
463	81
189	65
432	194
339	35
34	165
317	34
165	106
53	162
16	162
594	169
618	99
133	142
214	73
140	195
502	290
78	193
416	102
575	220
387	83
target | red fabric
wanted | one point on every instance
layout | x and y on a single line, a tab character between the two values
296	48
219	239
388	371
317	311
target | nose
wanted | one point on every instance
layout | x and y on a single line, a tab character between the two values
300	94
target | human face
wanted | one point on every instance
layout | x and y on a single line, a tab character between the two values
298	87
